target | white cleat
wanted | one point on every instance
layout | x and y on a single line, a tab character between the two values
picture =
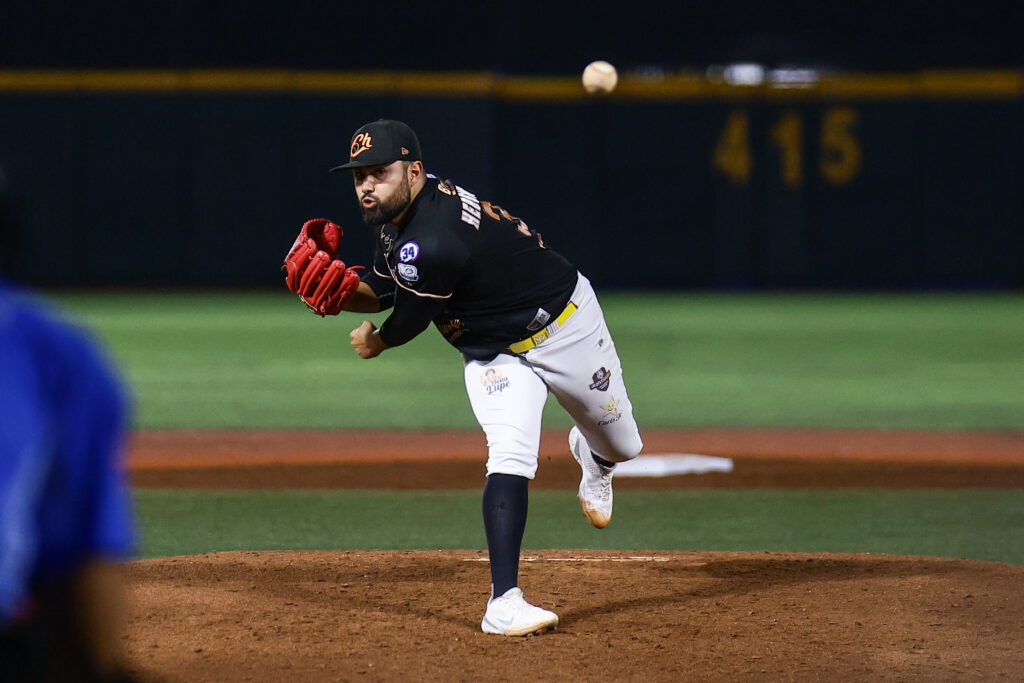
511	615
595	492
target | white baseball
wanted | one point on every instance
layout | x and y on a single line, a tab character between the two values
600	76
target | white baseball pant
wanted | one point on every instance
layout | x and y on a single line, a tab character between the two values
579	365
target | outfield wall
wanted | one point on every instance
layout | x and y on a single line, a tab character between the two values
906	180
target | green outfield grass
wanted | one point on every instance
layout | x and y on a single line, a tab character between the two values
260	360
962	523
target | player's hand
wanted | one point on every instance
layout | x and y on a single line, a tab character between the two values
366	341
313	271
316	245
326	234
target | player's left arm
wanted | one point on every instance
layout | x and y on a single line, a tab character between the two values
314	271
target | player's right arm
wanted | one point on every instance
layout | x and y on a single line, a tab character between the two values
376	290
364	300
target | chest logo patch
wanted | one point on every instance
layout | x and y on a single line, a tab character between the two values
387	240
408	272
408	252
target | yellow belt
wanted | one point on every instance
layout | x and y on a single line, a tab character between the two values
528	343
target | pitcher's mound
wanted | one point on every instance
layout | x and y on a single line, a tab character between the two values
625	615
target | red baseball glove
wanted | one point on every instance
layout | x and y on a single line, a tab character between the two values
313	271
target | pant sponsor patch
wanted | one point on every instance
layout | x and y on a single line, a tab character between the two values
601	379
611	412
493	381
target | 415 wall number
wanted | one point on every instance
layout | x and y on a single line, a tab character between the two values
839	151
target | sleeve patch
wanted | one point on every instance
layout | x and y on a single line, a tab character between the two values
408	272
409	252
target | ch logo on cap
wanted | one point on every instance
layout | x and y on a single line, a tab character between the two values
360	144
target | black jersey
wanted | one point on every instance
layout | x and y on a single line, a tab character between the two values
481	275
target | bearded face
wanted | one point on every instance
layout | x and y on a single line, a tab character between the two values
385	200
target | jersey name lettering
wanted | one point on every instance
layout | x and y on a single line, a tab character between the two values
470	207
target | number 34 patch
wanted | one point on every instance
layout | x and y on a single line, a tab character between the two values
408	252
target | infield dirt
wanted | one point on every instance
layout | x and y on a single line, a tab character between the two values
625	615
455	460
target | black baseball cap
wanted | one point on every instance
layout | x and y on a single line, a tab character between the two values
382	142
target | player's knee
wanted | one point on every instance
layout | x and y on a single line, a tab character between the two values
516	464
635	447
622	448
628	453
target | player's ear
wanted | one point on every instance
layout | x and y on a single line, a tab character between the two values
415	171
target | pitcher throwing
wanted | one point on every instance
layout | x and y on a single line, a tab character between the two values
525	320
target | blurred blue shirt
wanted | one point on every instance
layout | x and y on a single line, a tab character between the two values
63	498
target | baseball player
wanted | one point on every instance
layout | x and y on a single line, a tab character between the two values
525	320
64	508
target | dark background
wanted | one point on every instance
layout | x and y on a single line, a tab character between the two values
510	37
181	189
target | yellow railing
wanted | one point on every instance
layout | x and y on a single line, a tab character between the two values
972	84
